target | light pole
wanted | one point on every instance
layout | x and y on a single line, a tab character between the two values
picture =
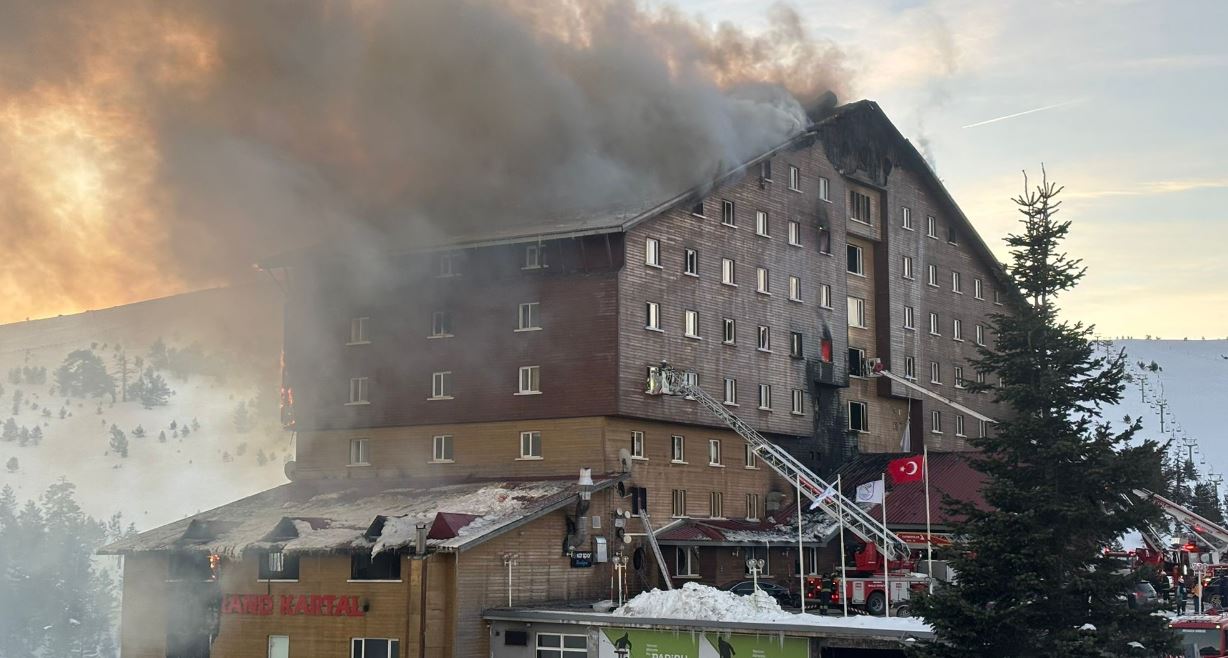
620	567
754	567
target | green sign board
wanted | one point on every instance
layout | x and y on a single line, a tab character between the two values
636	643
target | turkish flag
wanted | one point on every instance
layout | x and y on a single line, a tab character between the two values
908	469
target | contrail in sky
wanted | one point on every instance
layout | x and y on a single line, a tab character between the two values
1018	114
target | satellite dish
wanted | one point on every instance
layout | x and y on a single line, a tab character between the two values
290	469
624	460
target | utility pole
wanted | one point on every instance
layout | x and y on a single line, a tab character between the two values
1162	405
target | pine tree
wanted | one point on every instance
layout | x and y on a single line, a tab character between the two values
10	431
12	465
1032	569
242	418
84	375
1206	502
154	390
119	442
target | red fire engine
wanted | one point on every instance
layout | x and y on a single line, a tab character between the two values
864	587
1202	635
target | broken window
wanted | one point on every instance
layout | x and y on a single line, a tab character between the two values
698	208
857	362
856	264
824	241
859	206
276	565
858	420
690	262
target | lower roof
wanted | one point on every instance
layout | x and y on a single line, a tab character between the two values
339	516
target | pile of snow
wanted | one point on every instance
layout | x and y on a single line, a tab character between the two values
704	603
695	601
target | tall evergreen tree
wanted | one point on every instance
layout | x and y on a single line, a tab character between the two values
1033	577
83	374
153	389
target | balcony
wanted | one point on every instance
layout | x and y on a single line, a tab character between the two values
827	373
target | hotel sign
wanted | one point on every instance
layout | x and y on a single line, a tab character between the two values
311	605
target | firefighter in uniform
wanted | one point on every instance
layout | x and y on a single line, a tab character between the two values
827	587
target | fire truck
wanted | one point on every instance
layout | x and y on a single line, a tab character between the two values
1201	635
866	585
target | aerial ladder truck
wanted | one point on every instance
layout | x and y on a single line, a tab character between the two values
869	587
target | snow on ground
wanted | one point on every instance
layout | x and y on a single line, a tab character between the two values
701	602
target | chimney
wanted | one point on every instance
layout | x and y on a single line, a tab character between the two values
420	540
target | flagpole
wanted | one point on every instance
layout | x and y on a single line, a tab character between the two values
801	554
929	533
886	560
843	569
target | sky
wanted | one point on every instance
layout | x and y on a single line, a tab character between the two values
1136	95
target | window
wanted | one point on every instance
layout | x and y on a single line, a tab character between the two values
190	567
762	282
716	505
527	317
797	402
678	508
795	179
534	257
824	295
752	507
978	289
931	227
935	373
931	275
677	449
906	270
906	218
765	397
795	234
727	217
910	321
857	312
652	318
957	283
365	647
858	420
765	338
997	297
653	381
957	330
729	331
795	289
859	207
728	273
910	367
691	323
761	224
684	557
358	390
652	252
690	262
441	448
824	189
795	344
714	452
936	422
731	391
824	241
952	236
441	385
384	566
856	264
279	646
531	445
554	645
698	208
980	335
958	376
934	324
529	381
276	565
982	429
441	324
765	169
637	445
445	266
750	457
358	331
358	453
857	362
980	377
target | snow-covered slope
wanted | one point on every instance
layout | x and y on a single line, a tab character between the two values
1192	382
239	328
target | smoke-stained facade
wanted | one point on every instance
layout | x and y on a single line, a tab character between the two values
522	354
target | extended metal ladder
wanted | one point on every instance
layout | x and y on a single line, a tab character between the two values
656	548
669	381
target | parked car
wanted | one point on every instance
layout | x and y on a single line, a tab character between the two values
1143	596
747	587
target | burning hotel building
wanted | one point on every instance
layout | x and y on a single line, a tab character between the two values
444	412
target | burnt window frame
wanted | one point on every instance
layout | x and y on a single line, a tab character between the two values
365	567
289	571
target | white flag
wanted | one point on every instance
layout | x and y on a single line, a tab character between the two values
906	437
870	492
827	493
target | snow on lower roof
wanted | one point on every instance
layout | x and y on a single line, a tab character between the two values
343	511
701	602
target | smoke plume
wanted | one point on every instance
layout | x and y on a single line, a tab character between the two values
151	146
